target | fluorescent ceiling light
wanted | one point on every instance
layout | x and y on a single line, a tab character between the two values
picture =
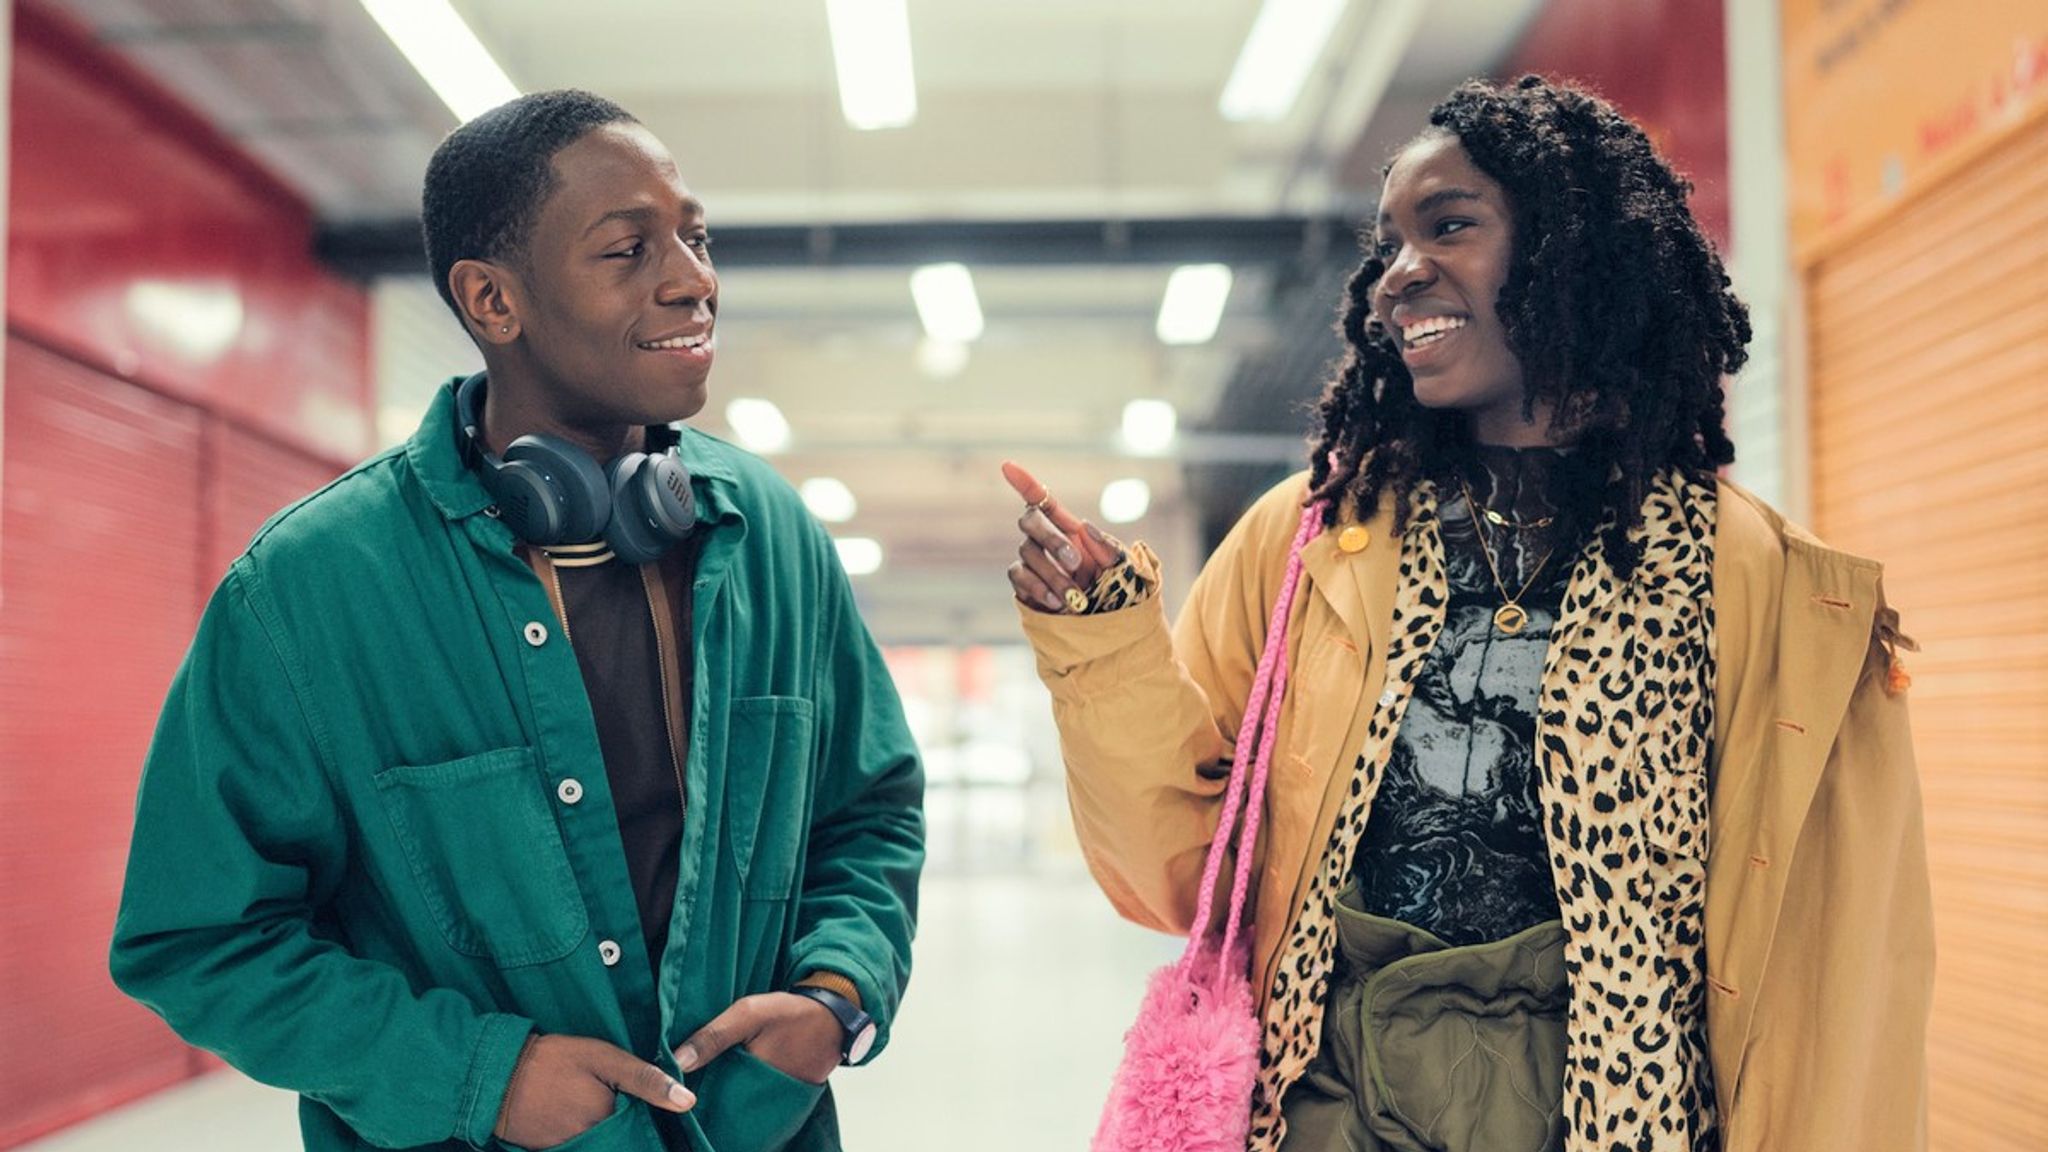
941	359
871	51
828	499
445	53
1382	44
946	302
1285	42
1124	501
1193	304
758	425
859	555
1149	426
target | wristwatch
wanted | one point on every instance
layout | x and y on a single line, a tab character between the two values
858	1026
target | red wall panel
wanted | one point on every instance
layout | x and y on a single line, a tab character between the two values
1663	63
248	478
178	367
141	238
97	604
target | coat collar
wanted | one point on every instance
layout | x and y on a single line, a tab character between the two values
1358	585
435	454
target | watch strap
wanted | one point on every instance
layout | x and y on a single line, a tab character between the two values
853	1022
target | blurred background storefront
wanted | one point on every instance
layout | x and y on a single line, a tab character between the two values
1106	240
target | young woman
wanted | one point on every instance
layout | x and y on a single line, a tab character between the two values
1593	821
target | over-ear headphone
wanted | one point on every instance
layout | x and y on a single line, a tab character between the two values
550	491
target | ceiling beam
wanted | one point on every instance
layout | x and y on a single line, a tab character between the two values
1189	447
395	248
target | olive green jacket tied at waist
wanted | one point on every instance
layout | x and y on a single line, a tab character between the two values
375	846
1818	920
1429	1047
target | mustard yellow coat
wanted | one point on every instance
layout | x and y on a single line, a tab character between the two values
1819	925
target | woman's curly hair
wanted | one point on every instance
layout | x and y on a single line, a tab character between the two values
1615	304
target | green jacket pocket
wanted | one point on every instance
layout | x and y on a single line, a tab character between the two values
746	1104
767	791
628	1129
488	857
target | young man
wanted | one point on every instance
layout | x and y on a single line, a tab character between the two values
510	798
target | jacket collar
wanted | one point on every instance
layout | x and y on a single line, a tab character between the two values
435	454
1357	585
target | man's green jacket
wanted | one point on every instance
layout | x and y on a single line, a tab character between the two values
375	846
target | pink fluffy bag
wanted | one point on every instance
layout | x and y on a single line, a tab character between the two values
1185	1084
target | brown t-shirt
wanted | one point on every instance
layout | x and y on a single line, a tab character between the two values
630	628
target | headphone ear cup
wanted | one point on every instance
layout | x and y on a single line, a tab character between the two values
527	503
630	534
570	485
663	488
652	506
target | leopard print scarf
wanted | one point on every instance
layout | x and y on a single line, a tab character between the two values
1623	733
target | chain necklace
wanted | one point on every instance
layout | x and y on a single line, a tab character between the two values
1510	617
1493	517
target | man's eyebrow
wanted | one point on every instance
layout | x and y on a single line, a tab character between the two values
1436	200
693	208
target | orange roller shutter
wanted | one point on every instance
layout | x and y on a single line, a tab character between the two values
1929	342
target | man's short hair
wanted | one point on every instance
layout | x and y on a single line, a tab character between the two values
487	181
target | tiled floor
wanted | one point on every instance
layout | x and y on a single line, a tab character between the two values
1023	987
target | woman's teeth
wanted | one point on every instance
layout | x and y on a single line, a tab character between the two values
1425	332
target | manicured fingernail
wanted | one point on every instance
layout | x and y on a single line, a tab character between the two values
686	1058
1068	558
680	1096
1096	534
1050	601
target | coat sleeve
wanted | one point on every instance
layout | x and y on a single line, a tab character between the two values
239	841
1845	1000
1148	715
857	911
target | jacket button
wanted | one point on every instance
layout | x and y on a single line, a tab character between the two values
536	633
608	951
570	791
1354	538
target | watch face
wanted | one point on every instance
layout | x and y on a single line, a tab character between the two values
862	1041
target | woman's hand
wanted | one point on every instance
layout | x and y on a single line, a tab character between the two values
1061	555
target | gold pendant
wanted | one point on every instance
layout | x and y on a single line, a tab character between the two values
1510	618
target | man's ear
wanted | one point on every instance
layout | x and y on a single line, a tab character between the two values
488	296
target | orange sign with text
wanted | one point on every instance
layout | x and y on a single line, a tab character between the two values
1879	92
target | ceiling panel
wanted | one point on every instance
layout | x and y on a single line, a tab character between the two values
1064	109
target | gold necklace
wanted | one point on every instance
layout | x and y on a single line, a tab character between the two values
1493	517
1510	617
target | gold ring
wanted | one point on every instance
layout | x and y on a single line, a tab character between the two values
1077	601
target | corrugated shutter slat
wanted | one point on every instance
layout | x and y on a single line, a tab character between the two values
103	522
1929	344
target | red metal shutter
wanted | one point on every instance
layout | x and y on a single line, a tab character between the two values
101	596
248	479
